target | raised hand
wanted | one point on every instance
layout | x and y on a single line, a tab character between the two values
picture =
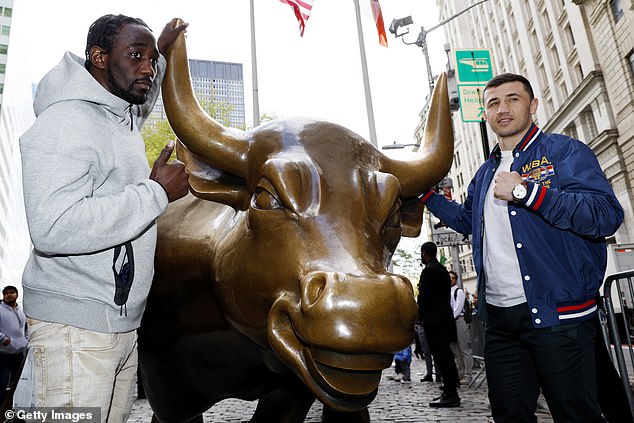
171	176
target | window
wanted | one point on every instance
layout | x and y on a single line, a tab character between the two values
630	59
571	131
545	22
7	11
554	54
1	88
4	48
579	73
534	41
3	68
543	78
617	9
5	30
569	37
589	124
563	90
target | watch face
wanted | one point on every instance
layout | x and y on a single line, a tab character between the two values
519	192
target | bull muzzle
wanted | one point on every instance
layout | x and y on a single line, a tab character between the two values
341	331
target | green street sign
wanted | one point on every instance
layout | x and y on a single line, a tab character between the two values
471	107
474	66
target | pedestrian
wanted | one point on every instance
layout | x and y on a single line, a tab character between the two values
402	360
422	351
434	308
538	209
460	348
13	338
91	205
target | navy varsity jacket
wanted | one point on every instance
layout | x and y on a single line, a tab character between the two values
559	228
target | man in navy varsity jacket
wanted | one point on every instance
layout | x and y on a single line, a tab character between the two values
539	210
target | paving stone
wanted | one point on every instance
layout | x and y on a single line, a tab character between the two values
395	402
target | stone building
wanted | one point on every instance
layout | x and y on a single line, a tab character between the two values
16	115
578	56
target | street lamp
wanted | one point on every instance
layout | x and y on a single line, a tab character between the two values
396	146
421	41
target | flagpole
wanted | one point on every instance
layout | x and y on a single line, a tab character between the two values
254	73
366	81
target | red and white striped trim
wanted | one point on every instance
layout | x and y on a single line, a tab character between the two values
576	311
530	137
536	196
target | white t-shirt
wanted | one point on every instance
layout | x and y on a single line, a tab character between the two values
504	286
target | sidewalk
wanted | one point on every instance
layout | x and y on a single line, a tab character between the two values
395	402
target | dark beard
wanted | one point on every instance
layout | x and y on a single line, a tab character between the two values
126	94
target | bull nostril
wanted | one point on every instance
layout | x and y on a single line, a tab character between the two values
313	286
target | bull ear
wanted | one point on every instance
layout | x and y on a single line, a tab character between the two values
412	217
212	184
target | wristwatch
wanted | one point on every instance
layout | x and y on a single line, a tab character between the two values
520	191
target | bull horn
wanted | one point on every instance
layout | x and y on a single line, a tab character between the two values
203	135
434	159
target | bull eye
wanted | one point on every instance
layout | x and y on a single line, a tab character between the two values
265	200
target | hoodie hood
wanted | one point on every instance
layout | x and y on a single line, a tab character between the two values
56	86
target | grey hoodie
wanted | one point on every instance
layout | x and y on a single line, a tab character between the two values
87	190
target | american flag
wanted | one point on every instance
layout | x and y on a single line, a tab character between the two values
302	10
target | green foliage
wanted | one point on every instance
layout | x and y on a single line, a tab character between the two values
157	136
406	263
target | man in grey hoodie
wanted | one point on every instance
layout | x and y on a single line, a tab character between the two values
92	204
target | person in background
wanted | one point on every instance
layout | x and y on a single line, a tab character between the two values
13	338
91	206
461	348
403	359
434	312
538	210
422	351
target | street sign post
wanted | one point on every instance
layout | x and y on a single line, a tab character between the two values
471	105
448	238
473	66
473	70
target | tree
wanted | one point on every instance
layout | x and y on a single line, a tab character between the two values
156	136
406	263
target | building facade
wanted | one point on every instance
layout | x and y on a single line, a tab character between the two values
16	115
214	82
579	58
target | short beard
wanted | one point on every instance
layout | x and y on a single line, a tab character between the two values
121	92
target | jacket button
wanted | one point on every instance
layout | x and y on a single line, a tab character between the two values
517	154
534	310
527	277
538	321
513	212
518	245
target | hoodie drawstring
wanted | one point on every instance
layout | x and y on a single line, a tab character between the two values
131	119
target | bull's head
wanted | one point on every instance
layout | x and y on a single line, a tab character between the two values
318	216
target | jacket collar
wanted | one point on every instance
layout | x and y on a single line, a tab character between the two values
532	134
529	138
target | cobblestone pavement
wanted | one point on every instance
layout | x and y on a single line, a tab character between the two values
395	402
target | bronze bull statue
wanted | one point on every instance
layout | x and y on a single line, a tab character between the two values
271	280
